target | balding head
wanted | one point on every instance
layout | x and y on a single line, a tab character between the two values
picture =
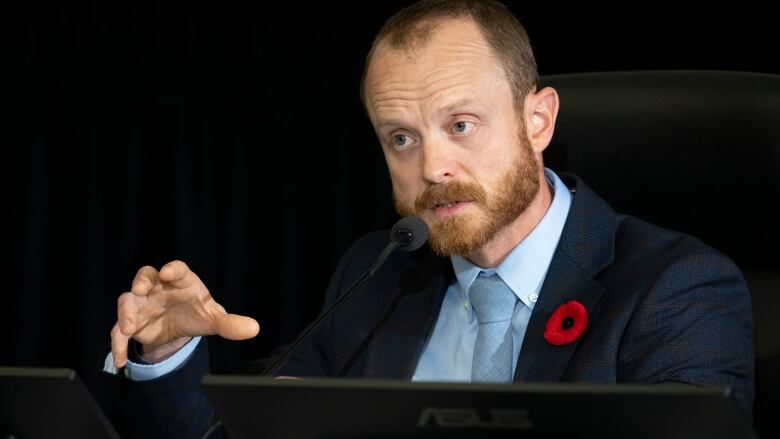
412	28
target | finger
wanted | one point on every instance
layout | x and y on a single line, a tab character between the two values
144	280
119	346
126	313
178	274
236	327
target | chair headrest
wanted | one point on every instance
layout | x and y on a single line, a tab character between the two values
694	151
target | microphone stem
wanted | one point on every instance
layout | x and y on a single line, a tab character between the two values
381	258
341	300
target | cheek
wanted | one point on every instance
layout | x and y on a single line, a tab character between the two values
403	191
487	150
492	172
404	179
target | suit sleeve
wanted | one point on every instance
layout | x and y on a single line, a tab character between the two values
695	326
173	405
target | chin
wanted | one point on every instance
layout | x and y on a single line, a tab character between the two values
457	235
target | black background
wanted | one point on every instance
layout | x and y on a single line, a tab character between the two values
231	136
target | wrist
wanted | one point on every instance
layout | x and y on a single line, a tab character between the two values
160	353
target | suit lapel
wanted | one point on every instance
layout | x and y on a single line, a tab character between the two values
540	360
585	248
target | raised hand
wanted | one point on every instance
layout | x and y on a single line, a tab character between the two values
164	309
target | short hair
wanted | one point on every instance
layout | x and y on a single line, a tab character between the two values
412	27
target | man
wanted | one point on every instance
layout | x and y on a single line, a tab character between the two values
451	90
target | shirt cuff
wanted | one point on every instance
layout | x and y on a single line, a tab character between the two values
145	372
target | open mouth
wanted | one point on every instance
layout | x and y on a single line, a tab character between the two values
446	208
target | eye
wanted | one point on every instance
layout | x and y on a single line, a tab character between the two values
463	127
401	141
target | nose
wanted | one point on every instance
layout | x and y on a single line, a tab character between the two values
438	162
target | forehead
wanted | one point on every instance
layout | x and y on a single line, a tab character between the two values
454	64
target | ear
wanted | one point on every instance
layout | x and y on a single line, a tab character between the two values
540	112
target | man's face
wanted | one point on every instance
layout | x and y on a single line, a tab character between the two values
456	149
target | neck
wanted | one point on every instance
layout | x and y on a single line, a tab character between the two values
498	248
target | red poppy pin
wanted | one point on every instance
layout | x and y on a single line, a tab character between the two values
566	324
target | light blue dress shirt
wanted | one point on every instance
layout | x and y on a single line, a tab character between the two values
144	372
448	353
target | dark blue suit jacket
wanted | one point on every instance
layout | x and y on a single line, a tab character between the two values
663	307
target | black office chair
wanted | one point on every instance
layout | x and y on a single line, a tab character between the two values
693	151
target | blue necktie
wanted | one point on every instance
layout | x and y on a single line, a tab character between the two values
494	305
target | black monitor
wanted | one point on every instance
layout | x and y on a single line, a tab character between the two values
252	406
36	402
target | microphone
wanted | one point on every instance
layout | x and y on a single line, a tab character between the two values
408	234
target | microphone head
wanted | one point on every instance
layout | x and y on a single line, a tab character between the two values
410	233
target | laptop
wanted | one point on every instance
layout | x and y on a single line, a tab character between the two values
38	402
253	406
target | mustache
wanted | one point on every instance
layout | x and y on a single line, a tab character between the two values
447	192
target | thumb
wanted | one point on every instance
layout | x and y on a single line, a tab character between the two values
236	327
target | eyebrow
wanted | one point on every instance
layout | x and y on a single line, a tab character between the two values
388	123
459	103
462	102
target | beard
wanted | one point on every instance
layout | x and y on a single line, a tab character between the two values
464	233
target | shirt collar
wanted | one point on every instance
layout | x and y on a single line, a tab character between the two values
525	268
